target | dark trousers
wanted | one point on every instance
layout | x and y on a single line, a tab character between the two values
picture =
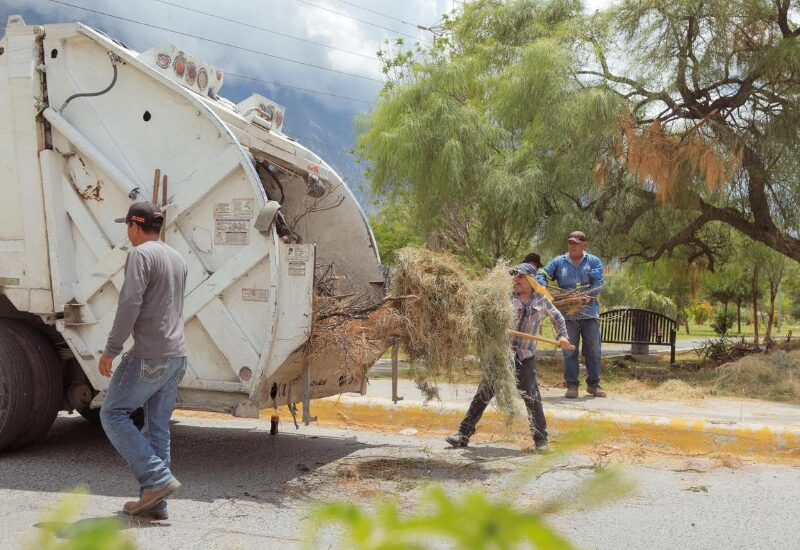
527	383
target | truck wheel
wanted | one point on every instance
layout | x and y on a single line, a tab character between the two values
15	389
46	381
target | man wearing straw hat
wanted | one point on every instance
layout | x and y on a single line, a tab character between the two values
531	304
150	307
576	269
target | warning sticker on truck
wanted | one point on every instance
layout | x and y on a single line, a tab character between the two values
297	269
297	254
255	294
232	232
239	209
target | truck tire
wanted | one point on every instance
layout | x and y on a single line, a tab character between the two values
46	381
15	389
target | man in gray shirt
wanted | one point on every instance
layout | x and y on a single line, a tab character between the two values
150	307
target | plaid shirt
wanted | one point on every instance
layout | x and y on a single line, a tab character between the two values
529	320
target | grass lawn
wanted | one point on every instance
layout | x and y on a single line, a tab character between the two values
705	331
772	376
697	332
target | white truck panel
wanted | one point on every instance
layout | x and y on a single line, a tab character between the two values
70	164
25	223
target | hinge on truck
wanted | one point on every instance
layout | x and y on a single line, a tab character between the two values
76	314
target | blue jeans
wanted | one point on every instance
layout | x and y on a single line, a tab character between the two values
587	331
151	383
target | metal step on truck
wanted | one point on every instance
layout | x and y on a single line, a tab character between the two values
88	126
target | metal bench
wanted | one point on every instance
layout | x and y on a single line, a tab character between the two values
638	327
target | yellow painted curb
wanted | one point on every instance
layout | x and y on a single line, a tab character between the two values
687	434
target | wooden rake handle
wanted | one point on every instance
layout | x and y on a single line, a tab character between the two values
542	339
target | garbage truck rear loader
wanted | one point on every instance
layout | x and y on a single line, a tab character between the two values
88	126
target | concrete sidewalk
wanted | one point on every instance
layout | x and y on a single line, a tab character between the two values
740	426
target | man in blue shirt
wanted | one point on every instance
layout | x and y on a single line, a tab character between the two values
576	269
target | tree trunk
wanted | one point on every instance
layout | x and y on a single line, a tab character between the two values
755	304
739	315
434	241
771	317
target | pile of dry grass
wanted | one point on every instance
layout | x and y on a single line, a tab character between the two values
349	330
774	376
436	326
453	314
493	315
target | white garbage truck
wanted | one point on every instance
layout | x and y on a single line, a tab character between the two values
89	126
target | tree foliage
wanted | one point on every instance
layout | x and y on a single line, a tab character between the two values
468	130
652	126
710	127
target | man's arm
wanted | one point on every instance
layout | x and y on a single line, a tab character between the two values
547	271
557	319
130	303
596	277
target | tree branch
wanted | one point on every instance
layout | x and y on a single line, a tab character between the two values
783	19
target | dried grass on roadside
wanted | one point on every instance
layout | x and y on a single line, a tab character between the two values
774	376
648	390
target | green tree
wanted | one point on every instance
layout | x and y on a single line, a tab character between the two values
473	131
394	229
730	283
650	125
775	267
710	124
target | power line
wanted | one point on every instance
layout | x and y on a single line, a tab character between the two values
328	145
380	13
357	19
244	77
221	18
134	21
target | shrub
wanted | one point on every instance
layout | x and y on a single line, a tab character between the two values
723	322
701	312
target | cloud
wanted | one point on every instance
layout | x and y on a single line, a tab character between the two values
291	17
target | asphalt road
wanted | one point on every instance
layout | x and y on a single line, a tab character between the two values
246	489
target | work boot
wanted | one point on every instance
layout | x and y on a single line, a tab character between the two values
150	499
597	391
458	440
542	447
572	392
152	515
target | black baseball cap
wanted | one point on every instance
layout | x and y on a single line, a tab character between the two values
145	214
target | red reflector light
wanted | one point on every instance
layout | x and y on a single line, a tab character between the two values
191	72
179	65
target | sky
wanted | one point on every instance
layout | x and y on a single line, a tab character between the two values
317	56
336	38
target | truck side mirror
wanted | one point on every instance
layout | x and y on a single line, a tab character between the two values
267	216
